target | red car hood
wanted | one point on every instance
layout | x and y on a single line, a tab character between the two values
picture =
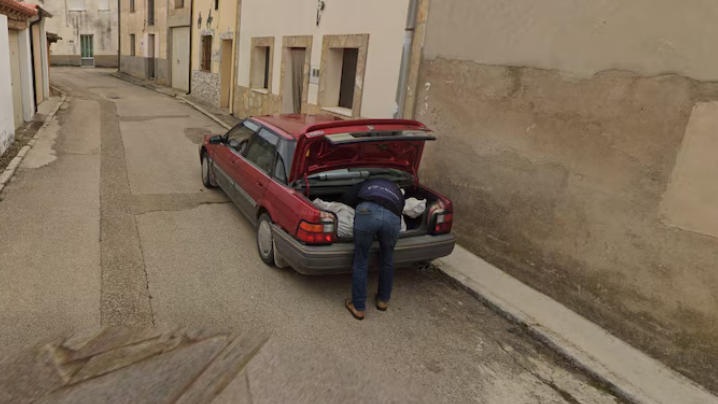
398	149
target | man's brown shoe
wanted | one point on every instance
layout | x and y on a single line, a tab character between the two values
381	306
359	315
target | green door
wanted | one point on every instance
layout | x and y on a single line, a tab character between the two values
87	50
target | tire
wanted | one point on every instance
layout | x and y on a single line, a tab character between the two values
265	242
207	174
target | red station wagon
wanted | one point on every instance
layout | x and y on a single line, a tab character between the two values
273	167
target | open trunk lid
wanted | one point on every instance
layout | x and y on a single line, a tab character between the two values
390	144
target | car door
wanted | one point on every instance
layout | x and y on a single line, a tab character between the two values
227	159
255	169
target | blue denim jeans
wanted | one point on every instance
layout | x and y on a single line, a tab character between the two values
373	220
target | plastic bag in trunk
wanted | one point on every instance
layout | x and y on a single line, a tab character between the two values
414	207
345	216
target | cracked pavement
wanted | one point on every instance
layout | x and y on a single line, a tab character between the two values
107	223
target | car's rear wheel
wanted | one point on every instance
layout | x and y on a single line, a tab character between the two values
265	241
207	175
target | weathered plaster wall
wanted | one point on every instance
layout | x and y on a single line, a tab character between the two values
383	21
559	137
135	23
7	119
99	18
221	26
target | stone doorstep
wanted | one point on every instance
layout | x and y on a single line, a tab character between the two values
629	372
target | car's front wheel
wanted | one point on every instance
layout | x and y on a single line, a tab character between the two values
207	175
265	241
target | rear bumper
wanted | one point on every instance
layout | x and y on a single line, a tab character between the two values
338	258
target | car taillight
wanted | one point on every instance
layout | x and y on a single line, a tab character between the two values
439	219
324	232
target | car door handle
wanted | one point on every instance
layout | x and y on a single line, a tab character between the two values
260	184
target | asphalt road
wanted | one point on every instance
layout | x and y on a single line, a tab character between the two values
107	223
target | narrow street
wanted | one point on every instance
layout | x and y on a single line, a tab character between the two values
107	223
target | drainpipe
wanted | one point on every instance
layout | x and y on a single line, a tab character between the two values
406	57
119	34
191	39
32	57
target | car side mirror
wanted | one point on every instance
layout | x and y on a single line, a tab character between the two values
215	140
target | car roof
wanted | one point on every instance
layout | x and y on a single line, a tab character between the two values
294	126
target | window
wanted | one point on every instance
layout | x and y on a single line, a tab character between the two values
76	5
216	4
241	132
261	150
150	12
132	6
132	44
261	59
340	76
348	80
206	53
342	73
280	170
179	3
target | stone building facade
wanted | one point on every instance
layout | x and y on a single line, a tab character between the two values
214	45
341	58
578	142
155	41
88	29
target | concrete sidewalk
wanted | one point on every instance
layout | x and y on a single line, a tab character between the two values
627	371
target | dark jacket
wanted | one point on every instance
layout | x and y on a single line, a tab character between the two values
382	192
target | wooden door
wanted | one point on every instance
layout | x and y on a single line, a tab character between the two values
226	71
15	77
180	58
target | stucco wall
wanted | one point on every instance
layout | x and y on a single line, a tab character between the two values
221	26
559	130
7	124
134	23
95	20
384	21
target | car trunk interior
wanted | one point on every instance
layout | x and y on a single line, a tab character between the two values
414	227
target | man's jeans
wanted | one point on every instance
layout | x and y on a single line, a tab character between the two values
373	220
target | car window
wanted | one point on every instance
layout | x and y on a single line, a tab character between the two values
242	131
280	171
261	150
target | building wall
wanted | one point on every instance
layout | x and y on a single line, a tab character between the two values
69	20
384	23
26	75
7	124
166	17
578	143
221	27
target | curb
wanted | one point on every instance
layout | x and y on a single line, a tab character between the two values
623	369
136	82
10	170
207	113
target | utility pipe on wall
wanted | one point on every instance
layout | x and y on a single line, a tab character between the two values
406	57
